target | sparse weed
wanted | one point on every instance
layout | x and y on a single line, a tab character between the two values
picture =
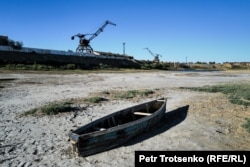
133	93
247	124
237	93
51	109
95	99
66	106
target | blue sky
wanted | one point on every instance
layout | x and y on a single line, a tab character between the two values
199	30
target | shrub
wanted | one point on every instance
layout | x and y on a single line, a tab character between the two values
15	44
71	66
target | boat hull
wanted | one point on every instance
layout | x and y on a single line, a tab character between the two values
87	143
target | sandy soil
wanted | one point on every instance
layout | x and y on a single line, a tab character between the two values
207	121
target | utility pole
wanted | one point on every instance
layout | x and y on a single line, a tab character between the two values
124	48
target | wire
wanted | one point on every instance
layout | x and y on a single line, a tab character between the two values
96	28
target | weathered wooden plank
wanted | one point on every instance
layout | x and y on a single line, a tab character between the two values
160	100
114	121
99	129
142	113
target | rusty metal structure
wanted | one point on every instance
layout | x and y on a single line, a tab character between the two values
156	56
84	46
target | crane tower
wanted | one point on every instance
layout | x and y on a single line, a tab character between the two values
84	46
156	56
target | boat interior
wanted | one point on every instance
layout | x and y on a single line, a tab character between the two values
121	117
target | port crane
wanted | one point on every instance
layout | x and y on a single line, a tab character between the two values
156	56
84	46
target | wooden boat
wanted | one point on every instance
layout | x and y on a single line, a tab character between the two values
117	128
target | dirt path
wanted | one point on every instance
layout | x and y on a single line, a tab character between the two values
210	123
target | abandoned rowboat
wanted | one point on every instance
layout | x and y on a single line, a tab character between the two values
117	128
